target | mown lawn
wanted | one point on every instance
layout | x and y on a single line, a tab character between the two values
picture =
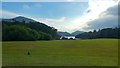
98	52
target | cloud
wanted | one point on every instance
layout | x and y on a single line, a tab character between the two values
7	14
48	20
107	19
99	14
96	16
113	10
59	23
62	24
25	6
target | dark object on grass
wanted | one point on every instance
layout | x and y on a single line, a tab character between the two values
28	53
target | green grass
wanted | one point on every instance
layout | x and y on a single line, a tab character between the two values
99	52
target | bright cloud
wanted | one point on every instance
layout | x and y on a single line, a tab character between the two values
7	14
107	19
95	9
57	23
47	20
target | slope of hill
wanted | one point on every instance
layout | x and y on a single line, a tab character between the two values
76	33
19	19
69	34
42	29
63	33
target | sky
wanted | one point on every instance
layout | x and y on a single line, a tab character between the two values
66	15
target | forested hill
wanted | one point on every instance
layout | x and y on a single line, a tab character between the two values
103	33
25	29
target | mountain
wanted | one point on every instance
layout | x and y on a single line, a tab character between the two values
64	33
76	33
68	34
41	28
19	19
8	20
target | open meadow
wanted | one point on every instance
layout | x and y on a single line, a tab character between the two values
96	52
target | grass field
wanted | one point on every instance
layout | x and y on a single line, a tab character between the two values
99	52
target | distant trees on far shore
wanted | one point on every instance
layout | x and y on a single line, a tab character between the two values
103	33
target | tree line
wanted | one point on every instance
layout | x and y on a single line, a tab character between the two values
103	33
22	31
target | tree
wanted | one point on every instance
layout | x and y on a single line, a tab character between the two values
19	33
45	32
103	33
44	36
